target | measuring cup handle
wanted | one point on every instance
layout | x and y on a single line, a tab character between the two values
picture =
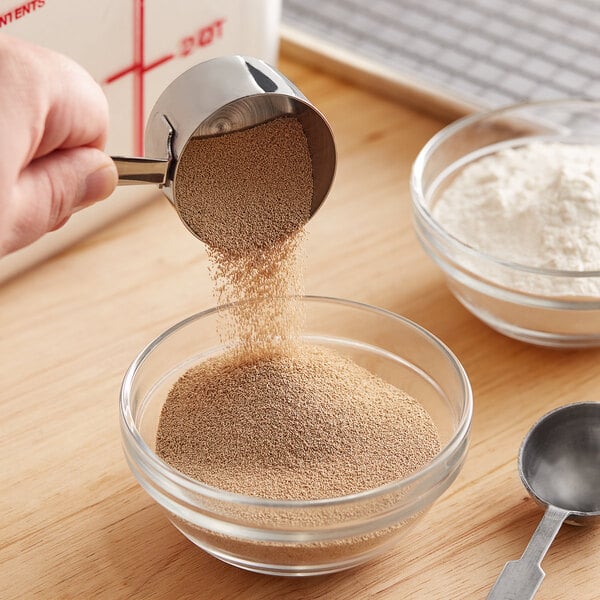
134	170
520	579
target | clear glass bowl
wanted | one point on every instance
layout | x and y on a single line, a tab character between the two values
301	537
542	306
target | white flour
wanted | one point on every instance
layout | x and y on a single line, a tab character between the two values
536	205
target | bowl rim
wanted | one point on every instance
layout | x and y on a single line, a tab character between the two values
418	197
132	434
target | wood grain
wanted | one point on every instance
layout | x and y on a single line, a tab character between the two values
74	523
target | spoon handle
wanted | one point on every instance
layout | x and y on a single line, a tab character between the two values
133	170
520	579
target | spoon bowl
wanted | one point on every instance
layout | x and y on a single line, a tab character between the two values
559	465
217	97
559	461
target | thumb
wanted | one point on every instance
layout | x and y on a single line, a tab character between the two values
52	187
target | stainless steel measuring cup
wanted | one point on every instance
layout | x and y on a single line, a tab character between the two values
220	96
559	465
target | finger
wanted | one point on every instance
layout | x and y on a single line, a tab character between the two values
63	108
77	113
50	189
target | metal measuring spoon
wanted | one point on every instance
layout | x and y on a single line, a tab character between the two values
559	465
220	96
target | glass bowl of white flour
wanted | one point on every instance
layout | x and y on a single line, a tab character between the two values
507	203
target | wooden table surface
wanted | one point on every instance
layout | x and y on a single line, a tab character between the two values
74	522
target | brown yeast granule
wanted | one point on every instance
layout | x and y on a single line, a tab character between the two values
302	424
247	194
273	417
261	287
246	190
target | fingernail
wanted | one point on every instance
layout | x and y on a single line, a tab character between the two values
99	184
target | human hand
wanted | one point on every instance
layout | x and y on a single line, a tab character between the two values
53	126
